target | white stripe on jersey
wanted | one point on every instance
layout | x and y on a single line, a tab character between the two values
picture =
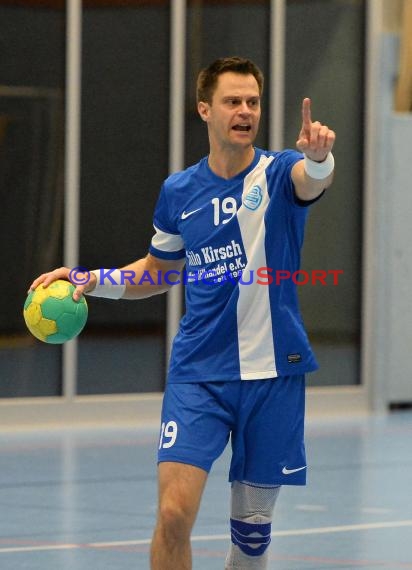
255	336
167	242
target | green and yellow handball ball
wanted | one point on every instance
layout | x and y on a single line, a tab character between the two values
51	314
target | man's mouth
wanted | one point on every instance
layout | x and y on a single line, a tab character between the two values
244	128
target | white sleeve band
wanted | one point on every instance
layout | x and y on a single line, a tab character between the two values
319	170
109	284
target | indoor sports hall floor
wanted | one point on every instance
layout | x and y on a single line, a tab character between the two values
85	499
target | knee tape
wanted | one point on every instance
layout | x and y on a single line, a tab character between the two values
251	516
252	539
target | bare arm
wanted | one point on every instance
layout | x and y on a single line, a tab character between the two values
151	270
143	278
315	141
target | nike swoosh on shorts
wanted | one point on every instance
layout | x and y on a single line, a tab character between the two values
287	471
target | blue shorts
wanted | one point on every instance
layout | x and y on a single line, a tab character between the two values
263	418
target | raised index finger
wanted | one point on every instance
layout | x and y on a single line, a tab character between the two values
306	114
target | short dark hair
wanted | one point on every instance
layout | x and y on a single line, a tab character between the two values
207	78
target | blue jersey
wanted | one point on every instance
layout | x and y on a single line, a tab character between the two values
240	238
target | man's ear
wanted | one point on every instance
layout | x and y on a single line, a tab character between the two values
203	110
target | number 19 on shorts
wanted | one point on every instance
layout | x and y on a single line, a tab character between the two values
168	435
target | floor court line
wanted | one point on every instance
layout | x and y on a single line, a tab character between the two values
202	538
273	557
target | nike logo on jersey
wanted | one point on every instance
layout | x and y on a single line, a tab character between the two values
287	471
187	214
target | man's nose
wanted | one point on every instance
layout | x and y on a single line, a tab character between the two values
244	108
